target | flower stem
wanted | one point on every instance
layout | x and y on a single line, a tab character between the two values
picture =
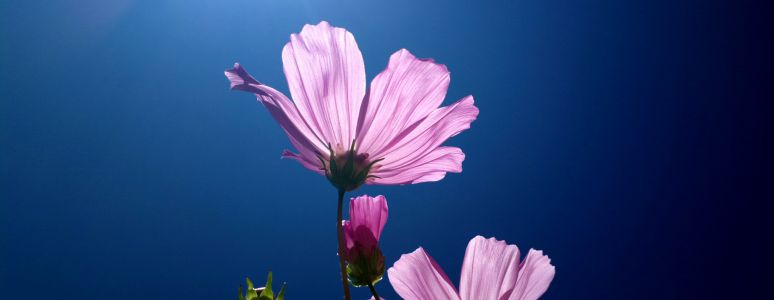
373	291
344	281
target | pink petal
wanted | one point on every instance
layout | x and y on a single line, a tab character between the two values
535	275
326	77
307	163
416	146
306	141
490	269
349	239
404	93
368	212
431	167
417	276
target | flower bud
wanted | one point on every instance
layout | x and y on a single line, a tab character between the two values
365	262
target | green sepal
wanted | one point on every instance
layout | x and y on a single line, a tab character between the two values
251	293
267	293
281	295
366	269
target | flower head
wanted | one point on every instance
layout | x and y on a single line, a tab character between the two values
490	270
390	133
368	215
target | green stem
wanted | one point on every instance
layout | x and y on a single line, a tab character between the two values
373	291
344	281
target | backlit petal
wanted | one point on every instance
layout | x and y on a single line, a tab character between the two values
431	167
285	113
369	212
415	147
407	91
535	275
490	269
417	276
326	77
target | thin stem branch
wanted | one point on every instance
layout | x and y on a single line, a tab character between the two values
344	281
373	291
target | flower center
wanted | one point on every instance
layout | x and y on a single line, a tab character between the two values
347	169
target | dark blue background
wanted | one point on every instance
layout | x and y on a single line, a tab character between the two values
626	139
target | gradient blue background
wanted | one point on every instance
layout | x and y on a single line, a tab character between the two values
626	139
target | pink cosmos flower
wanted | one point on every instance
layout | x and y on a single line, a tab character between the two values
390	133
490	270
368	216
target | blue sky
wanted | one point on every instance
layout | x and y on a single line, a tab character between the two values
622	138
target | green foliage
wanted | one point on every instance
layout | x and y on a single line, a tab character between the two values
266	292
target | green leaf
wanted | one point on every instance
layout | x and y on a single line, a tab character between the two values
241	297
